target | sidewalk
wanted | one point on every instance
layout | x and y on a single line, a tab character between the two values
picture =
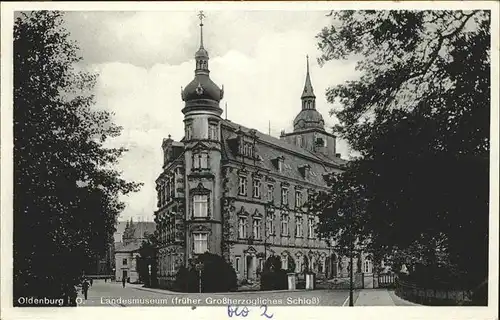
380	297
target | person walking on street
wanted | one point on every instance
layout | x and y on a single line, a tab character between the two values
123	281
85	288
91	282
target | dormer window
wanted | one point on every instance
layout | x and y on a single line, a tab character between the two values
305	170
279	163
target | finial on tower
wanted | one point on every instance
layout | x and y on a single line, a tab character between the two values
308	89
201	16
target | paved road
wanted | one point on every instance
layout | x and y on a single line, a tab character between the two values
113	294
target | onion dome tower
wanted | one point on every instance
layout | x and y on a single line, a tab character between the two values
202	158
202	92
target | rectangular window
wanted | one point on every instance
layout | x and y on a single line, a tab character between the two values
298	199
298	227
242	228
367	266
213	133
270	225
270	193
167	191
200	206
284	263
237	264
242	189
256	229
280	165
284	195
311	227
200	160
256	188
200	243
189	131
172	186
299	141
284	225
124	262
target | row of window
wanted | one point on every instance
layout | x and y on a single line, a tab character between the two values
271	229
166	191
256	191
212	134
247	149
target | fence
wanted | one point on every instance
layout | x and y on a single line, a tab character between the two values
432	297
386	280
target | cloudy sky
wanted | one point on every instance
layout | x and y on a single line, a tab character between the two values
144	58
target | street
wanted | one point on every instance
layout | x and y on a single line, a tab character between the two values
113	294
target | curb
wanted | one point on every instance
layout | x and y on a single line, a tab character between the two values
227	293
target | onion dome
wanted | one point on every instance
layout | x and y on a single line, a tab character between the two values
202	92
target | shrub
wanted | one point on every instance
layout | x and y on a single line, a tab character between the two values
217	275
273	277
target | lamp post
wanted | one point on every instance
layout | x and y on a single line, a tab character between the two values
149	277
199	267
351	249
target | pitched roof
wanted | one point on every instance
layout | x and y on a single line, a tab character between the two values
129	247
270	148
143	226
120	228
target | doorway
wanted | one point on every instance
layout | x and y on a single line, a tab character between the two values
250	267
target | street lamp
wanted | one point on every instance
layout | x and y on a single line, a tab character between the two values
199	267
149	272
351	249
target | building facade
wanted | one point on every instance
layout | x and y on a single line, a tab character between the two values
127	252
240	193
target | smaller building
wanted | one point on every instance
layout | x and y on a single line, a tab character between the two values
126	262
127	251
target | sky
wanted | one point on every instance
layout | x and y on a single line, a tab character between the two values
144	58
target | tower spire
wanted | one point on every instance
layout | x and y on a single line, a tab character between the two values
201	16
308	97
201	55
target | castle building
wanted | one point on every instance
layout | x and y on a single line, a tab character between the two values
239	193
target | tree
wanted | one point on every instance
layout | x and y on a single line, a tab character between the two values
217	275
66	190
147	260
419	118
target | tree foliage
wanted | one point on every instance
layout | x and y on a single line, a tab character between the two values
66	190
419	116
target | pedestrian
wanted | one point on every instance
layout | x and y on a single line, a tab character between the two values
91	281
105	280
85	288
123	281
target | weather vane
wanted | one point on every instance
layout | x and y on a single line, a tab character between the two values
201	16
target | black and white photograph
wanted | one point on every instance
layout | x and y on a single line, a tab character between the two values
250	158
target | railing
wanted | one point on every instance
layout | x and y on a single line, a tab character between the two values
432	297
386	280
